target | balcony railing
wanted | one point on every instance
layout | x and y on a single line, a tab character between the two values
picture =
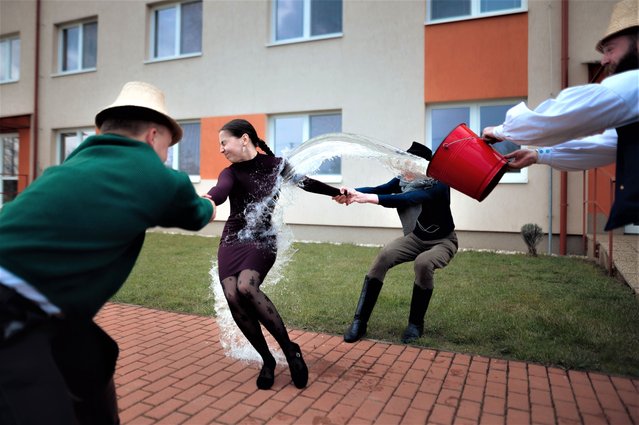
596	208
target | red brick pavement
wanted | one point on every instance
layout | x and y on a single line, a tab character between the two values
173	370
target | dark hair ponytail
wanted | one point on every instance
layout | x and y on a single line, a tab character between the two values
239	127
262	145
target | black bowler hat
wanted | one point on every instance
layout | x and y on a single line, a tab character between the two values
421	151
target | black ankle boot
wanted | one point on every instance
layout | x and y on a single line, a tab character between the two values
367	300
266	378
299	371
412	332
418	306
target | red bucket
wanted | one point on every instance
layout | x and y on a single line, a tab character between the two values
465	162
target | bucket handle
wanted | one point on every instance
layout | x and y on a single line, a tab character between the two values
458	140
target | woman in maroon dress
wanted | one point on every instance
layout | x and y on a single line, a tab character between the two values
248	245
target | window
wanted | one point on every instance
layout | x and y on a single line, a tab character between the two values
451	10
185	156
9	145
78	47
443	118
297	20
68	140
290	131
176	30
9	59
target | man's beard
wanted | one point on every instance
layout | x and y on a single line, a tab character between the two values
628	62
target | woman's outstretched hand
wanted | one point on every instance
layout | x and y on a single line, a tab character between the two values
350	196
343	198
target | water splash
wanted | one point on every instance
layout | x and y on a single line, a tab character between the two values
233	342
259	216
304	160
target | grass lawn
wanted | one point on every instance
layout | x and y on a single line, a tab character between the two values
558	311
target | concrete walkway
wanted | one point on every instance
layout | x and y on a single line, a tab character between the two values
172	370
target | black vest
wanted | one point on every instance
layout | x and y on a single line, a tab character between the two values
625	209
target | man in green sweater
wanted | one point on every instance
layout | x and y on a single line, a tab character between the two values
68	243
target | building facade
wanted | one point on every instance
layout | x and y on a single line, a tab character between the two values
394	71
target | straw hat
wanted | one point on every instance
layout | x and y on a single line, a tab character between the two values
625	15
141	101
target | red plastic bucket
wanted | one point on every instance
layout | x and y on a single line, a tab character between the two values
465	162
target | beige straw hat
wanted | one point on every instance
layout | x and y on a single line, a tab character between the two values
141	101
625	15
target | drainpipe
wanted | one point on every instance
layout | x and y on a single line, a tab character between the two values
36	92
563	191
550	195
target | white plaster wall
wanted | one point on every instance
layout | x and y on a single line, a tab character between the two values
18	17
373	74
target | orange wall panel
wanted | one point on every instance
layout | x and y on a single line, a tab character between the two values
212	162
24	153
476	59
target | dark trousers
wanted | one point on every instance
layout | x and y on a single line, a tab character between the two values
428	256
55	371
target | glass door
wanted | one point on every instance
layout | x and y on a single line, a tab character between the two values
8	167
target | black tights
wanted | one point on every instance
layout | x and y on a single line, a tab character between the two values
250	307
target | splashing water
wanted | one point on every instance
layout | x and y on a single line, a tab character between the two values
231	338
304	160
307	157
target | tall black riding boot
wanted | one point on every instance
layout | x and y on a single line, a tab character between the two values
367	300
418	306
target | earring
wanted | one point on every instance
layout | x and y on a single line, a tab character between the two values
243	148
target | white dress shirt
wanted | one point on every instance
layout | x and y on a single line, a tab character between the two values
581	154
576	112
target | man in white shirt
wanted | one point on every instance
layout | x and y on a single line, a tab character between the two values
576	155
586	111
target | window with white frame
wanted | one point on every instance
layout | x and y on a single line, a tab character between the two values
78	47
9	59
290	131
452	10
185	156
68	140
442	119
299	20
176	30
9	167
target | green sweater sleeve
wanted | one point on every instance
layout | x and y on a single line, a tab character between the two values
187	210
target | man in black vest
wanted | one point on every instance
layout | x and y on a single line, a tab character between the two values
589	109
429	241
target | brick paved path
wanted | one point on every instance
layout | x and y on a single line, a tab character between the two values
172	370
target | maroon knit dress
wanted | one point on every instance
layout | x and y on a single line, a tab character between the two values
248	240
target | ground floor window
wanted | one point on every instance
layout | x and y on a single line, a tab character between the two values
185	155
70	139
441	119
9	145
289	131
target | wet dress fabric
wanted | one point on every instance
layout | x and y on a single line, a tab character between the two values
249	241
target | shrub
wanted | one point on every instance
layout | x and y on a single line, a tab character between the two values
532	234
